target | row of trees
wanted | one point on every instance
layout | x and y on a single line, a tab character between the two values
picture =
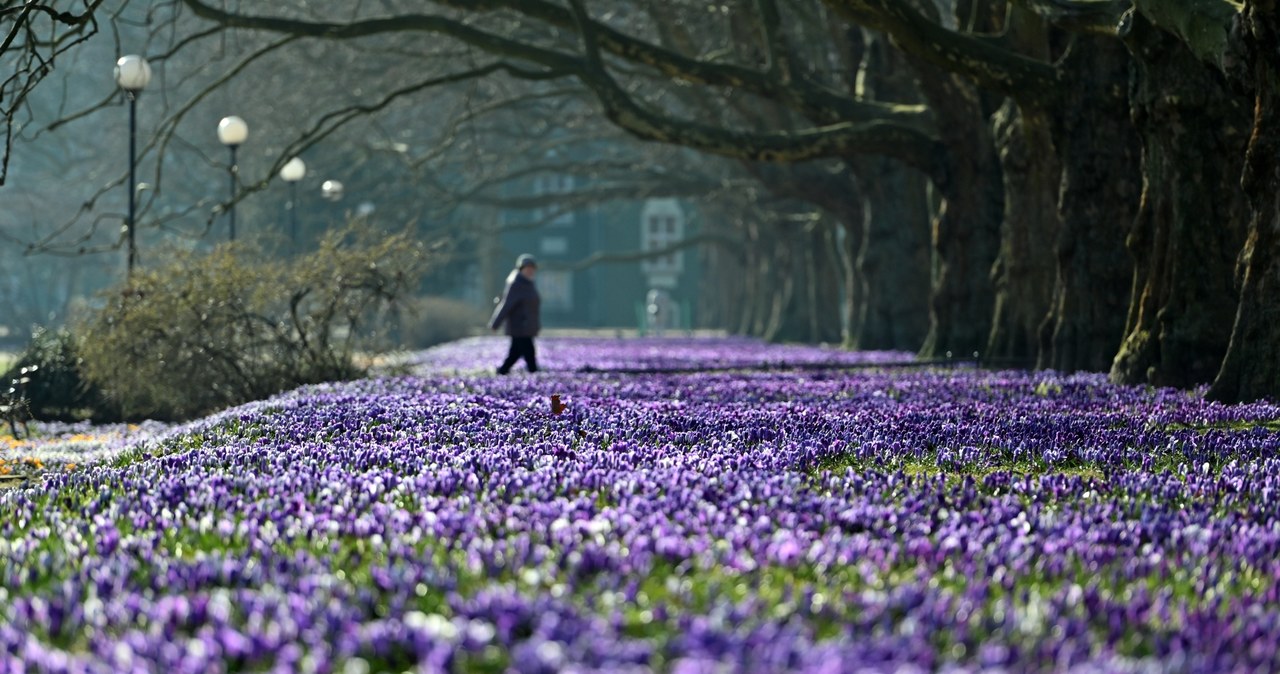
1080	184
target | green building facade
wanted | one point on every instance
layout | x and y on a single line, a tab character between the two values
589	271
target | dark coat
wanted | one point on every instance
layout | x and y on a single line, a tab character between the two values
519	308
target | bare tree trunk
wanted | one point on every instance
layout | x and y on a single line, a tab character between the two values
489	247
721	294
812	272
1251	368
966	228
893	259
853	284
966	231
893	250
830	324
831	187
1023	275
750	281
782	292
1191	219
766	281
1101	185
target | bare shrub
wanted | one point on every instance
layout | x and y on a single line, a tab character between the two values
206	331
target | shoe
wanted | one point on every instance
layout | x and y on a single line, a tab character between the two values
502	371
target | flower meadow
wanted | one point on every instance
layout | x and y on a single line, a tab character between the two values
755	520
659	356
63	446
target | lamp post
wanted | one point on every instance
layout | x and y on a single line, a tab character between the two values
331	190
293	171
133	73
232	131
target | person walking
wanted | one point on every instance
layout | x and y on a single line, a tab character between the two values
519	310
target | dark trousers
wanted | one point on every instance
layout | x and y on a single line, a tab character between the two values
521	347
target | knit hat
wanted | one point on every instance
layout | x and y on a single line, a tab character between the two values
525	260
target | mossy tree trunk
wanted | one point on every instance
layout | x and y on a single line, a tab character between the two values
1191	218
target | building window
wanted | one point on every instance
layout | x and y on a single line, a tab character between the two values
554	245
555	211
555	288
661	230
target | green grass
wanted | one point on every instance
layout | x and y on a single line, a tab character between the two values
929	467
1244	425
997	460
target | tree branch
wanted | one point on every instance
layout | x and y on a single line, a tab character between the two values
1094	17
635	256
991	66
818	102
1203	25
35	57
876	134
779	67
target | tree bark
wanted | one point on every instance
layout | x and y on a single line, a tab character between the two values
966	225
750	281
781	281
826	323
831	249
1101	185
893	259
720	294
807	284
1023	276
966	229
892	253
1251	368
850	242
831	188
1191	218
